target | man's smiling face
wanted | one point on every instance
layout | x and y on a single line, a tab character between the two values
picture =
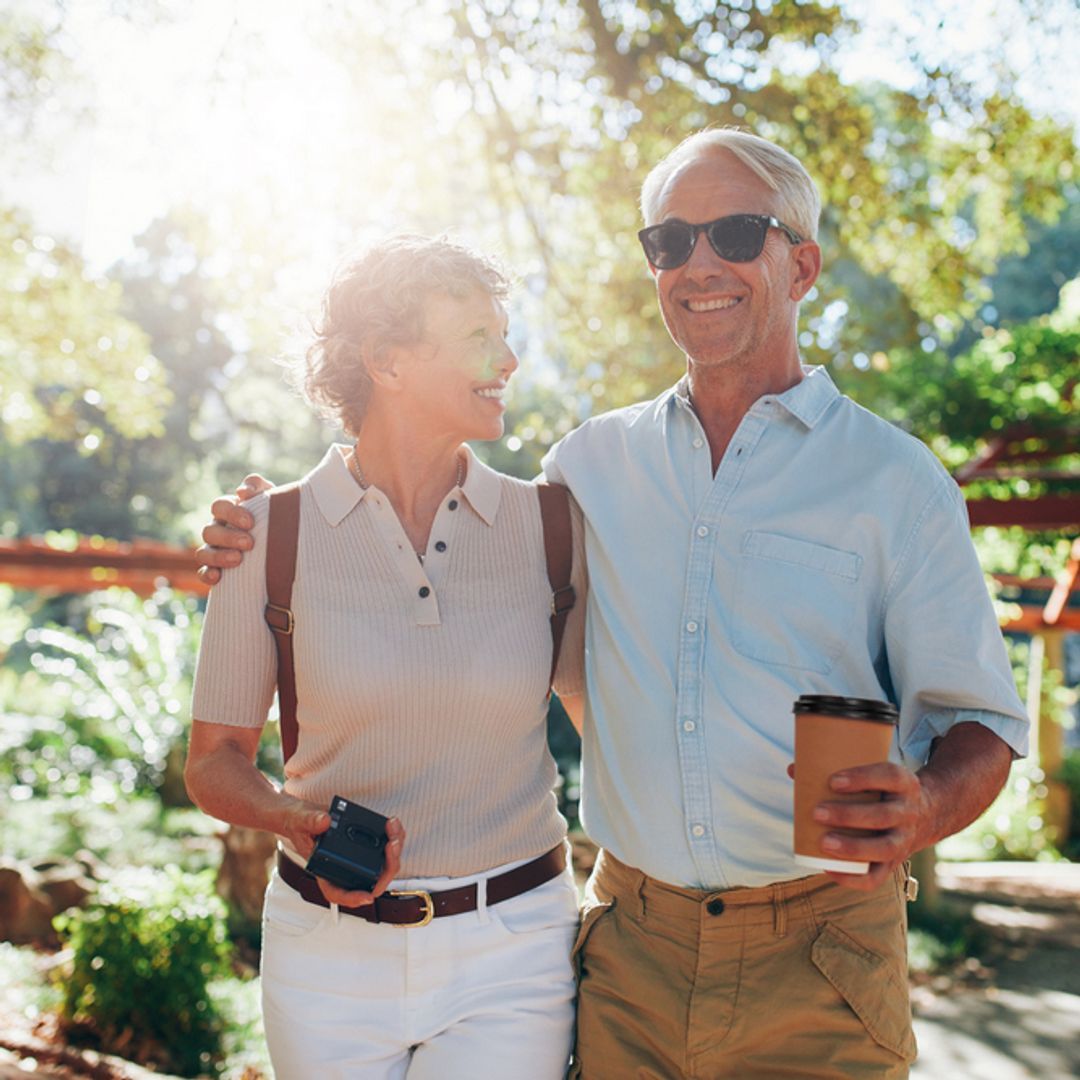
728	313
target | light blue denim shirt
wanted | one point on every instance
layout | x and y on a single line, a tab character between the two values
829	554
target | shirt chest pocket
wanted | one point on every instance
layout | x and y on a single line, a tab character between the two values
794	601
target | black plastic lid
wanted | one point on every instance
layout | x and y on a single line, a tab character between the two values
856	708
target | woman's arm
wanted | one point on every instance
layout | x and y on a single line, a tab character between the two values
223	781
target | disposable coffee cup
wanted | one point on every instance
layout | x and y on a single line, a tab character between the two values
834	733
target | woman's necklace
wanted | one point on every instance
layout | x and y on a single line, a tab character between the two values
358	476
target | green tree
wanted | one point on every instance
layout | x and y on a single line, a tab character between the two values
546	117
64	343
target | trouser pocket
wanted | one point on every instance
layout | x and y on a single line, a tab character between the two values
870	985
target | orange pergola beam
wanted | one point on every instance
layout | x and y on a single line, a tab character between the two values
1045	512
142	566
1054	611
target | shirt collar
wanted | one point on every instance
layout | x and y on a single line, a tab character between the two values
482	488
337	492
334	487
808	400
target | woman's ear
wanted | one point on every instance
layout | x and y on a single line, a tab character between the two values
382	365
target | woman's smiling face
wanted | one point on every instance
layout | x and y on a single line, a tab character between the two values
455	377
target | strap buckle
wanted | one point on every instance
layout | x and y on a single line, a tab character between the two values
559	606
911	888
290	622
426	915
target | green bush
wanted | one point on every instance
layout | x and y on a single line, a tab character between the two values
143	955
94	702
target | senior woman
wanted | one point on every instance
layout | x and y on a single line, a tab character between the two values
422	656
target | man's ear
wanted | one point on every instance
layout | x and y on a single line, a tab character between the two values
807	266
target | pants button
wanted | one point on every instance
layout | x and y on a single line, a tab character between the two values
715	906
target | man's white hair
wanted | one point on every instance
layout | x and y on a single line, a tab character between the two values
800	203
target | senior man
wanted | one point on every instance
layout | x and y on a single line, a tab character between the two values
752	535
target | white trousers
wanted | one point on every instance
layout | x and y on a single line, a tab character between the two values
488	993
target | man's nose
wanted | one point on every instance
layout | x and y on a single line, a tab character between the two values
703	260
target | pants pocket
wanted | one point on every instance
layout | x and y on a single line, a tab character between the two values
286	914
870	986
590	916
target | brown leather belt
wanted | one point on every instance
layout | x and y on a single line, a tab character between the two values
415	907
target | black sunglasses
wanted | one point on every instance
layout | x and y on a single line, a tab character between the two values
737	238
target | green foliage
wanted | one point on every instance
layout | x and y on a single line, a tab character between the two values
1013	827
65	346
926	188
1028	374
527	129
93	705
31	64
143	955
22	984
940	937
243	1042
1018	385
218	410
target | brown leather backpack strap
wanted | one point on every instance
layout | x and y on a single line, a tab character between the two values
559	552
283	531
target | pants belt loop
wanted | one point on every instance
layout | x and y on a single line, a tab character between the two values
336	912
481	902
779	911
639	897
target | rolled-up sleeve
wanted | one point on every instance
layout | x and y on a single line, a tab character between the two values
946	655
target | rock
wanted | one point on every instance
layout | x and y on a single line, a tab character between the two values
25	910
66	886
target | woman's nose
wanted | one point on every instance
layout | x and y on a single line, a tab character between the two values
505	361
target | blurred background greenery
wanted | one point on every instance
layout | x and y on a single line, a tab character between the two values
182	177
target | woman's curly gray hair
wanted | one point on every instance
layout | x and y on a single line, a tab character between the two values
376	300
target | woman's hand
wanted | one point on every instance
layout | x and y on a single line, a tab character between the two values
301	825
395	833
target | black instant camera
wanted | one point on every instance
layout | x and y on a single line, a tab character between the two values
350	853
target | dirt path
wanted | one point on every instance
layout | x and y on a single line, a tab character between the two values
1024	1025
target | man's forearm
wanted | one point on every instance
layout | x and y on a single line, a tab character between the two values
967	768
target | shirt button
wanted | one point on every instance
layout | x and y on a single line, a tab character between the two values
452	504
440	545
424	592
702	531
689	725
699	443
698	830
691	627
715	906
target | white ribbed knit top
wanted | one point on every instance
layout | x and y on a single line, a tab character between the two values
421	689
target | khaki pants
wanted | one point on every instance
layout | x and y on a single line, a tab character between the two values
798	979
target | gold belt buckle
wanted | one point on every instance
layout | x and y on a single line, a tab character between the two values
429	907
